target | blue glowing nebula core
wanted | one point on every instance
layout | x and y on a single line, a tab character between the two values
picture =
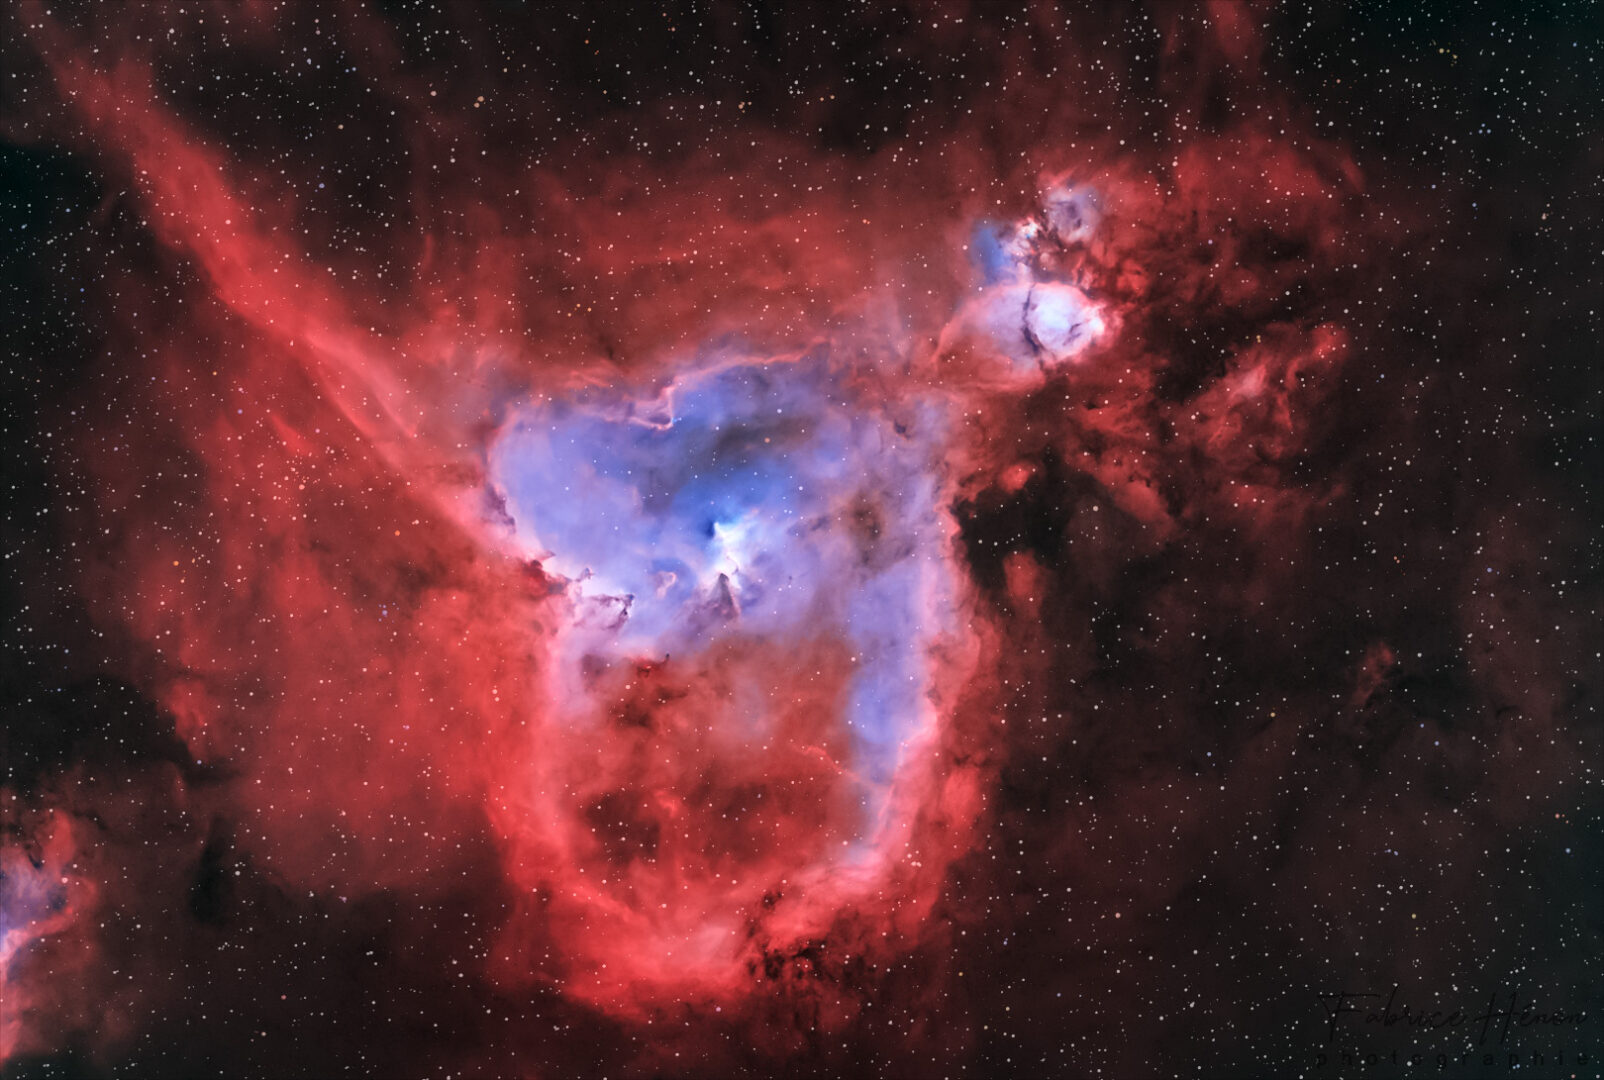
751	498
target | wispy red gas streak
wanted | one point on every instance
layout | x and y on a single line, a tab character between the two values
352	633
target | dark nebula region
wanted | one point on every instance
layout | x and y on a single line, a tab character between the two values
726	539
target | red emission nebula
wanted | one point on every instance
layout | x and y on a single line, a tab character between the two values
637	543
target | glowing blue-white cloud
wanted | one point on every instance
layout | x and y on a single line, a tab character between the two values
755	498
1031	316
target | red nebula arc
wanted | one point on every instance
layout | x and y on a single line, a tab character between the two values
367	624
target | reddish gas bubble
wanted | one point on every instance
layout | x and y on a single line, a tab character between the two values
355	627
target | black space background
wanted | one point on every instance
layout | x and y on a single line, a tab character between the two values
1483	119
